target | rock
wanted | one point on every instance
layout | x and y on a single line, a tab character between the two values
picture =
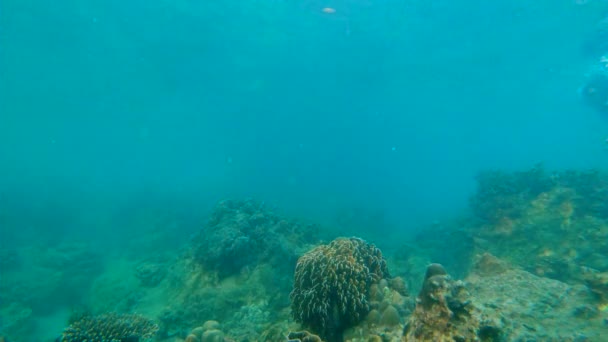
303	336
390	317
443	310
383	305
374	338
211	325
398	284
192	338
373	317
150	274
585	312
598	283
198	332
374	293
518	306
213	335
487	264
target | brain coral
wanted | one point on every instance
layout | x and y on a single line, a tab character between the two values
331	285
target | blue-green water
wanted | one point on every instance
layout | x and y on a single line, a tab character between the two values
374	113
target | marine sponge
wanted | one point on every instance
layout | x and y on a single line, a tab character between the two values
110	327
332	283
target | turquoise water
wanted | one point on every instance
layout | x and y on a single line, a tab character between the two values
373	113
281	100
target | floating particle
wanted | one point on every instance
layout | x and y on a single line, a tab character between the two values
328	10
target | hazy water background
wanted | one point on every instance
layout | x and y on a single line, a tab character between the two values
383	110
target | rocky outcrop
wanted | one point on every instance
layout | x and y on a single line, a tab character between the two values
444	311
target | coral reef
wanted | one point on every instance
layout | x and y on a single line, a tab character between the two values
497	302
243	304
389	308
503	195
390	317
303	336
210	331
553	225
238	270
110	328
242	233
443	310
332	283
541	273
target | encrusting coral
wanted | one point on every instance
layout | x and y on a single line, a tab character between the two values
110	327
332	283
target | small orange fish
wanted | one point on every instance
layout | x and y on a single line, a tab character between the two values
328	10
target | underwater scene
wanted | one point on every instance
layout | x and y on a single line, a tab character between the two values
303	170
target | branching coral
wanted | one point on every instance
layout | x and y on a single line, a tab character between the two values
332	283
110	328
